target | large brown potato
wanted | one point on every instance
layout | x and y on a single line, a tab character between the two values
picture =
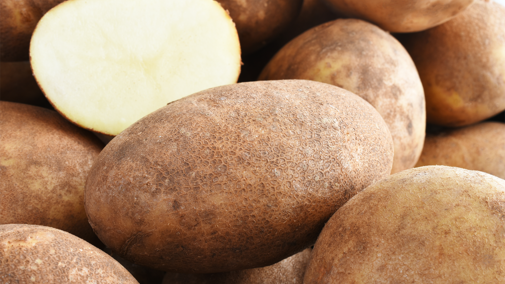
462	65
260	21
18	20
479	147
235	177
44	163
402	16
432	224
369	62
39	254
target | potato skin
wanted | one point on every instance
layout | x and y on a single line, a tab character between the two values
401	16
44	162
432	224
235	177
462	65
39	254
369	62
260	21
18	21
289	270
478	147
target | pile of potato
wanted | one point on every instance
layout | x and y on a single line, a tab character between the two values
265	141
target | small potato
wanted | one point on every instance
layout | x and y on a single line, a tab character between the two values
479	147
39	254
462	65
44	163
433	224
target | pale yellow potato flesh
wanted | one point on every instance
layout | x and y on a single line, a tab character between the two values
106	64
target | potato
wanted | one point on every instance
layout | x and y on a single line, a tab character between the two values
44	162
462	65
432	224
235	177
289	270
260	21
17	84
401	16
130	58
369	62
477	147
19	18
39	254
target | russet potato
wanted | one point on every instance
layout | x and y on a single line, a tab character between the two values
235	177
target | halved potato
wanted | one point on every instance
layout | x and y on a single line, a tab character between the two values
104	64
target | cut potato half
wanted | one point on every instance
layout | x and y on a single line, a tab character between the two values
104	64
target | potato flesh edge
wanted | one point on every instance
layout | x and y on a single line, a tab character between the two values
106	64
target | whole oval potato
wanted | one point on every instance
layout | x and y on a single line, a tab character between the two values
260	21
401	16
44	163
462	65
369	62
479	147
235	177
39	254
433	224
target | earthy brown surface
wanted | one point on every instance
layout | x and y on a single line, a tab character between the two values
402	16
235	177
287	271
44	162
17	84
479	147
259	21
38	254
462	65
423	225
369	62
17	23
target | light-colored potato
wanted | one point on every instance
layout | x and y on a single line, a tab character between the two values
401	16
44	163
39	254
432	224
369	62
235	177
462	65
479	147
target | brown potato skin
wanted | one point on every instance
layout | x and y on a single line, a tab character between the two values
462	65
260	21
17	84
18	21
39	254
235	177
369	62
290	270
432	224
44	162
401	16
479	147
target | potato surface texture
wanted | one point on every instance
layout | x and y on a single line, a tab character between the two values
433	224
235	177
44	163
362	58
462	65
39	254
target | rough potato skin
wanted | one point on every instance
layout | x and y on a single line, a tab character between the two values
369	62
479	147
235	177
18	21
39	254
288	271
260	21
432	224
44	162
401	16
462	65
